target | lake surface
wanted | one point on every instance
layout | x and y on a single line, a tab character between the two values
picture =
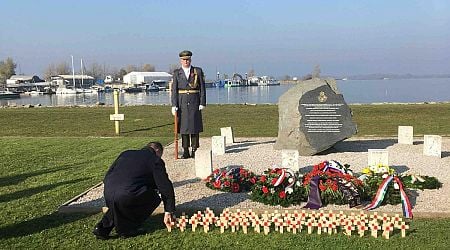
354	91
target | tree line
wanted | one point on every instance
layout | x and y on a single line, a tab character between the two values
7	69
96	70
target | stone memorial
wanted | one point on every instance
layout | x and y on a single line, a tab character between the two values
377	157
405	135
218	145
432	145
289	159
228	133
203	163
313	116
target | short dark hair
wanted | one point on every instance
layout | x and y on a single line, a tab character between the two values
157	146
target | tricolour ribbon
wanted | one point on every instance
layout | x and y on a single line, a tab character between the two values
381	192
406	205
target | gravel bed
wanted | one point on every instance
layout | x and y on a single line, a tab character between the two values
257	154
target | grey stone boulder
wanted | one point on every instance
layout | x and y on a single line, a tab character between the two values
313	116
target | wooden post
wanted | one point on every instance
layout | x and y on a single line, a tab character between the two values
116	117
116	110
176	134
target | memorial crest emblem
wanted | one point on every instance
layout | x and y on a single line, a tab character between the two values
322	97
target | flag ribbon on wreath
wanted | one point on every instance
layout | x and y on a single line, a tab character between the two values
286	173
280	178
336	167
406	205
381	192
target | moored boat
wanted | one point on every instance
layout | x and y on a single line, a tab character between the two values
8	95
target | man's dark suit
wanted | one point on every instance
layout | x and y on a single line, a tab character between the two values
130	190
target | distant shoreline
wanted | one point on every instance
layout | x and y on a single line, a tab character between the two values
102	105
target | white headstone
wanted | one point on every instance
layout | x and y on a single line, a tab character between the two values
289	159
377	157
405	134
228	133
203	163
432	145
218	145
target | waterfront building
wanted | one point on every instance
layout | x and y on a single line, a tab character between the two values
135	78
81	81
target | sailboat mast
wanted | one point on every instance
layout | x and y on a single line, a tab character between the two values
82	73
73	75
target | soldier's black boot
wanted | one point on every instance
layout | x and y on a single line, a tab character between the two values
185	153
193	152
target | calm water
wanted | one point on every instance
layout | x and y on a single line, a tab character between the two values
354	91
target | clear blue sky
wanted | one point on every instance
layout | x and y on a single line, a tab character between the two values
272	37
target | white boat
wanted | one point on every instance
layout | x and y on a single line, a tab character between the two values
8	95
233	83
62	89
267	81
66	91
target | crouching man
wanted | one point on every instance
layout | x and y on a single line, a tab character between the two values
134	186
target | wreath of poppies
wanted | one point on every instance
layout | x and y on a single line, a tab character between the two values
279	186
336	184
333	179
233	179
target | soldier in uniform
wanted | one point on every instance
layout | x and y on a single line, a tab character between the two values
188	100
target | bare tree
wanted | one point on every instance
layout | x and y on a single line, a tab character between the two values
120	74
49	72
148	68
172	68
251	73
131	68
316	71
96	70
287	77
62	68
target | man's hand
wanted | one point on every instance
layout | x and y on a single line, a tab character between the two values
168	219
174	110
200	107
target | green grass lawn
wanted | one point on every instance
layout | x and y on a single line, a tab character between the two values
49	155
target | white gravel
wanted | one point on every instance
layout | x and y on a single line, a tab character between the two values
257	154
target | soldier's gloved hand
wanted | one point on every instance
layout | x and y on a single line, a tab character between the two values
200	107
174	110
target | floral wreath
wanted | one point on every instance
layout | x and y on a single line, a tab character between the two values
233	179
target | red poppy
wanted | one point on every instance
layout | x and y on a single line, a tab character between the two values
234	187
226	183
253	180
262	178
322	187
265	189
274	180
217	184
282	194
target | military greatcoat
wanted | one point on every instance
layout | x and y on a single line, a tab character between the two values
187	95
